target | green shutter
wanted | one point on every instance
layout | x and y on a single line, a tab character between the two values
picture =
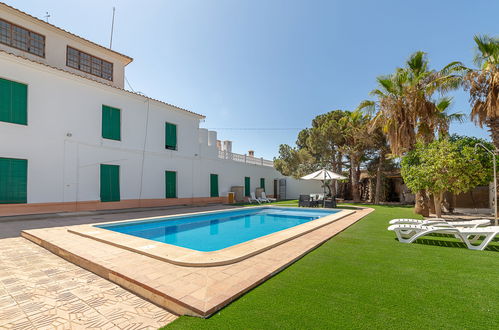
262	183
13	102
111	123
13	180
170	136
109	183
247	188
213	185
171	184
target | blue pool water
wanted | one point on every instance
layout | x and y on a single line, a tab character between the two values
218	230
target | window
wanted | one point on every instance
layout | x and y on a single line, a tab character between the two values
111	123
109	183
18	37
13	180
170	184
213	185
90	64
247	189
13	102
170	136
262	183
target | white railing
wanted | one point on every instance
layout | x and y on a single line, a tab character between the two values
244	158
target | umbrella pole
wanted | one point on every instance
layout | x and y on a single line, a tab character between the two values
324	191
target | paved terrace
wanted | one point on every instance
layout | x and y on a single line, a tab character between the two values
39	289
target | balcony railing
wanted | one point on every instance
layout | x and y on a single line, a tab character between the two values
244	158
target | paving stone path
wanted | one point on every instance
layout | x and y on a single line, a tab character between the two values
39	290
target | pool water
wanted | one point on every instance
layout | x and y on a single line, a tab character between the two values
218	230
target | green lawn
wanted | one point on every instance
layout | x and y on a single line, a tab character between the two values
364	279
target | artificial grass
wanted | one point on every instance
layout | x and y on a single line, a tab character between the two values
364	278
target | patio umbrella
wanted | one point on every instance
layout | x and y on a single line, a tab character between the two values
323	175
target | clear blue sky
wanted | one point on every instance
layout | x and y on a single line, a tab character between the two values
273	63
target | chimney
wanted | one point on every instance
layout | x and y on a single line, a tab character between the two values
251	153
227	145
219	145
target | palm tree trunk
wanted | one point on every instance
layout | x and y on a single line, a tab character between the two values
493	124
377	193
354	178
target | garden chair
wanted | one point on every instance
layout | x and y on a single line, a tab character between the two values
436	221
267	199
252	199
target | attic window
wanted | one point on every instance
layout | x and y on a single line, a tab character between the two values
90	64
18	37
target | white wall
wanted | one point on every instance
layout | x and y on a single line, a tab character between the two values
64	147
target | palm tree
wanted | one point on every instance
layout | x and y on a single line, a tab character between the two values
406	110
483	85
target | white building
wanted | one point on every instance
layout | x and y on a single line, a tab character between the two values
72	138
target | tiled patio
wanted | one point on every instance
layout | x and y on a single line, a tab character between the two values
198	291
39	290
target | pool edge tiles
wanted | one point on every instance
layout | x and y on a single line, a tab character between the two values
186	257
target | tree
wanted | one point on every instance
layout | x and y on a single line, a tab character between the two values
356	141
449	164
483	85
407	110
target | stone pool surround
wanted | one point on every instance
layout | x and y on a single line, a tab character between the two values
185	290
187	257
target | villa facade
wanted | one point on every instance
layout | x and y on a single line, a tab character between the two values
73	139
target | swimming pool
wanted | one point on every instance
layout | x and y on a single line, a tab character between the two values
218	230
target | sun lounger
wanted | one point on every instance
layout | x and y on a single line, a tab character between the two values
470	236
436	221
267	199
252	199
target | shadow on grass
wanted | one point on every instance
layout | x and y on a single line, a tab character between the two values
450	244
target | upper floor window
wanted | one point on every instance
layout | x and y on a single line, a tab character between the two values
90	64
18	37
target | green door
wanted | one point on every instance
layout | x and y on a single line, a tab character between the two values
247	188
13	180
109	183
171	184
213	185
262	183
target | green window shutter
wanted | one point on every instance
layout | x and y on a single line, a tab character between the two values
170	136
213	185
247	188
13	181
109	183
111	123
171	184
262	183
13	102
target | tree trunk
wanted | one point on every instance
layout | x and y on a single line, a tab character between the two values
355	179
422	202
438	197
377	194
493	124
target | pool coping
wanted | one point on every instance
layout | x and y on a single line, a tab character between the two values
193	258
195	291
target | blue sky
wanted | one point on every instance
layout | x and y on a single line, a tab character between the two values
273	63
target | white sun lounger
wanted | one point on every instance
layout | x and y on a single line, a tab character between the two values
437	221
266	199
470	236
253	199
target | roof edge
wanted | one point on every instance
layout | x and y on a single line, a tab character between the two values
102	83
36	19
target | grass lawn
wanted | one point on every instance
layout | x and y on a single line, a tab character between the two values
363	278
